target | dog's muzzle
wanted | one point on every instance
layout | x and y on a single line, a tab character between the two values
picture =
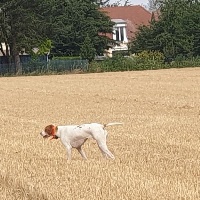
44	135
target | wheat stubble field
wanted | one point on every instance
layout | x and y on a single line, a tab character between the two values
157	149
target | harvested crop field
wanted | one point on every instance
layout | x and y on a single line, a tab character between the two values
157	149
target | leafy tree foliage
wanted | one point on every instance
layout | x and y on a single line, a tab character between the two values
22	26
28	24
175	33
87	50
77	20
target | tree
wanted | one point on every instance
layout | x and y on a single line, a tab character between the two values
22	25
191	21
87	49
78	20
176	33
65	23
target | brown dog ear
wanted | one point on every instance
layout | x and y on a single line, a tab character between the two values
50	129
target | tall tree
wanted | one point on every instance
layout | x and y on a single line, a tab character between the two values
79	19
25	24
22	25
175	33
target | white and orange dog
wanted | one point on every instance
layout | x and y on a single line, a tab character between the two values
74	136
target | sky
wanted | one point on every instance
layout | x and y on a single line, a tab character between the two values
135	2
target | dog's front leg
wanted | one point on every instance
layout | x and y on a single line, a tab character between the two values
69	152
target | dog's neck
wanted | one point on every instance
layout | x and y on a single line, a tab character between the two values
57	135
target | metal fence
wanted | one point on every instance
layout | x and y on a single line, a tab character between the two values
36	66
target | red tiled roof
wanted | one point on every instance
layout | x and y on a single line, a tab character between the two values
133	15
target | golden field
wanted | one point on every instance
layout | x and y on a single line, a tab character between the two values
157	149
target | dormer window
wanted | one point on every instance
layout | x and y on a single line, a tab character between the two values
119	31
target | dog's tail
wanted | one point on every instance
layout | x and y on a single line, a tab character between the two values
112	124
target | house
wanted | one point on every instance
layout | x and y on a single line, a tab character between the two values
127	19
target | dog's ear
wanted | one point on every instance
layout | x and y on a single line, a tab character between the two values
50	129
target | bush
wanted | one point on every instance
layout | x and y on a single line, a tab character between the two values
149	60
116	63
142	61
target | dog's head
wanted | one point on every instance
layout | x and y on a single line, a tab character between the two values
49	130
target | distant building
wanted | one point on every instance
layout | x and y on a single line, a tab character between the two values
127	19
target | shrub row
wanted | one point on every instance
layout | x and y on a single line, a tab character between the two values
142	61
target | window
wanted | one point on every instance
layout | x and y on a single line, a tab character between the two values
122	33
119	34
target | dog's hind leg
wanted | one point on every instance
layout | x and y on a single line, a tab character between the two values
80	150
104	149
103	153
100	137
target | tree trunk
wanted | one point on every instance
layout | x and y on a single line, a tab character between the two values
18	65
8	58
15	55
